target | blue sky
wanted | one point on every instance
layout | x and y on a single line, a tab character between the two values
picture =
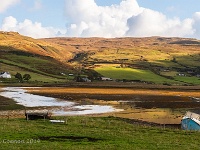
171	8
102	18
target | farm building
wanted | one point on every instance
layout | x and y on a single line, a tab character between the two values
86	80
106	79
5	75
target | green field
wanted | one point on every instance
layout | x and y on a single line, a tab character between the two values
91	133
140	59
132	74
191	80
41	69
142	75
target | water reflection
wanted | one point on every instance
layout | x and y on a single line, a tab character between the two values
57	106
156	115
159	106
31	100
86	109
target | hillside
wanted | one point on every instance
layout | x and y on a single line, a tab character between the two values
25	55
152	60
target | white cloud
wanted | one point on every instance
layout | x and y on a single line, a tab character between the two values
9	23
5	4
196	24
28	28
126	19
88	19
153	23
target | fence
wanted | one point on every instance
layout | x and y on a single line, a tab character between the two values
12	114
21	113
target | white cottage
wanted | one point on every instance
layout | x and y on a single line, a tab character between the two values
106	79
5	75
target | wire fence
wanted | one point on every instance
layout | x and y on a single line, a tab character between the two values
12	114
8	114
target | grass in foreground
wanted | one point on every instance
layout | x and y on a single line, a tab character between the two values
91	133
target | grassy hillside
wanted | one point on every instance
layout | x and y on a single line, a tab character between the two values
45	62
159	60
137	75
41	68
92	133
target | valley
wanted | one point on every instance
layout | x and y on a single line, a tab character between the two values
150	60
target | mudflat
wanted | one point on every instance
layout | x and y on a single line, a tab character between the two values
165	106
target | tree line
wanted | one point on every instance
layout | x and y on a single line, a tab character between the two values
22	78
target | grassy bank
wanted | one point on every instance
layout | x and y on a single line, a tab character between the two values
9	104
91	133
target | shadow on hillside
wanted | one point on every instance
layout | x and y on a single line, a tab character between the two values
186	63
44	65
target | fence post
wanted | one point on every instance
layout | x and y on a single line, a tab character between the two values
8	117
65	120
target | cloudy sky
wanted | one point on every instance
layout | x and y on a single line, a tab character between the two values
101	18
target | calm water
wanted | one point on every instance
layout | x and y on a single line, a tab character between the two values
165	107
56	106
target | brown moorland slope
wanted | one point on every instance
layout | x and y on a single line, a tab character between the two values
64	49
149	56
12	41
152	49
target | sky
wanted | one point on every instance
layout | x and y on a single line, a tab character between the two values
101	18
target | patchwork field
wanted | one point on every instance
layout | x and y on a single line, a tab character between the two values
154	60
155	81
131	74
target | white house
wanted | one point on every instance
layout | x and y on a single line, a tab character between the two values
106	79
5	75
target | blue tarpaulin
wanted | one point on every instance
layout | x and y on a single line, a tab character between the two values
191	121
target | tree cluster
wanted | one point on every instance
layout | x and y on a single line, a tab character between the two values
21	78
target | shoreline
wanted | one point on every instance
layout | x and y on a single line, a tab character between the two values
122	98
108	84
